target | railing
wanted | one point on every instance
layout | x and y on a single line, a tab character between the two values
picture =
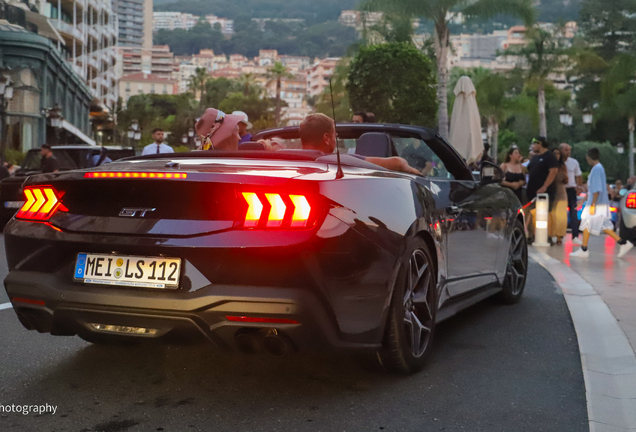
67	28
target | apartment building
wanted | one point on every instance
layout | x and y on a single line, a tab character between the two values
143	83
227	25
158	61
135	22
293	90
318	75
173	21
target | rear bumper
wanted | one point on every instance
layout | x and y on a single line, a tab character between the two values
69	309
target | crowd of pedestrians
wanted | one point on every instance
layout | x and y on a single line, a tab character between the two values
555	173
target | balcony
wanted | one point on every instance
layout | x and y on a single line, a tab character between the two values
67	28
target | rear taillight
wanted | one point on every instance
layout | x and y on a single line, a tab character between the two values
41	202
630	201
274	210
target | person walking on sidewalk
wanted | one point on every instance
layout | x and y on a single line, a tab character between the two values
596	216
558	222
575	180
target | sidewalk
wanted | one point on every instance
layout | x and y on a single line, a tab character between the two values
614	279
600	292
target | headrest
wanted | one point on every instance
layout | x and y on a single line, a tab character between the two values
375	144
250	145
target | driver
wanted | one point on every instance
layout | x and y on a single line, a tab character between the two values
318	132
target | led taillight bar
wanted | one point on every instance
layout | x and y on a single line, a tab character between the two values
630	201
137	175
276	210
41	202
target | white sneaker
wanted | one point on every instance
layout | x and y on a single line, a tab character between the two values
580	254
622	251
577	241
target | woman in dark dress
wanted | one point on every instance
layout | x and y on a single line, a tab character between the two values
514	172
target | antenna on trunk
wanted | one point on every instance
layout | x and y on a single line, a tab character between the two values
339	173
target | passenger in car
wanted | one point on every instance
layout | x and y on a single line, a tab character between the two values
219	130
318	132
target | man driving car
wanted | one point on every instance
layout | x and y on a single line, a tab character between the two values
318	132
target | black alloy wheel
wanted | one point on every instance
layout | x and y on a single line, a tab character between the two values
411	325
517	267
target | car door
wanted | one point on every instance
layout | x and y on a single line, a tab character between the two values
473	229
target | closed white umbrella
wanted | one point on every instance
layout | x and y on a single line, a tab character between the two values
465	131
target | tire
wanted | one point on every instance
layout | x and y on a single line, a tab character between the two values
517	266
411	322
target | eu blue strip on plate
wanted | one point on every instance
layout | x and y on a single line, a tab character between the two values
80	267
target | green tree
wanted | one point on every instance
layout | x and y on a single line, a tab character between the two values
260	110
247	82
217	90
542	56
441	12
196	84
395	81
277	73
341	104
619	96
609	26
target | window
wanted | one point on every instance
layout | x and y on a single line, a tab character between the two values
165	89
418	154
127	86
152	88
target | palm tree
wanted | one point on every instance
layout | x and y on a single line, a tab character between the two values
542	56
196	83
246	82
441	13
618	93
278	72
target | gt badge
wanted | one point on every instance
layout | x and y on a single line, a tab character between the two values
135	212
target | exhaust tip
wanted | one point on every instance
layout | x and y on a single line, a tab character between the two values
249	341
276	343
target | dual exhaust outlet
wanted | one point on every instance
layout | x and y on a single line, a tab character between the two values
254	341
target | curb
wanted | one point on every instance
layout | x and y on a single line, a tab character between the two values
607	358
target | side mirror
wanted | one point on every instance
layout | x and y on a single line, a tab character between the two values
490	173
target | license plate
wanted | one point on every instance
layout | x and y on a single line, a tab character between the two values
130	271
13	204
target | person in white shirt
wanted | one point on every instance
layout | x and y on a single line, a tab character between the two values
158	146
575	180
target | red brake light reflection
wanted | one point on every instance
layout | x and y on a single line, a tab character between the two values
630	201
41	203
279	210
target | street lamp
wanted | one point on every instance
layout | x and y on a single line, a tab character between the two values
565	117
135	125
620	148
57	119
6	94
587	116
184	139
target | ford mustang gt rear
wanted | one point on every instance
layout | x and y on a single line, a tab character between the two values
261	250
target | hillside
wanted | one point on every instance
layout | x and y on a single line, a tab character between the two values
311	10
318	11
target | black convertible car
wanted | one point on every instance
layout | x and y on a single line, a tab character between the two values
269	250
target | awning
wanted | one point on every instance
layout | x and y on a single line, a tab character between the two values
78	133
44	26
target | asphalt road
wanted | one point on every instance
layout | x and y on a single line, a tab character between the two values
495	368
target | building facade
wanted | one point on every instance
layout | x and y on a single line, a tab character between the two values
157	61
135	22
142	83
318	75
43	80
173	21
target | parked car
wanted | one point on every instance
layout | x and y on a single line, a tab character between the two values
70	157
268	250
